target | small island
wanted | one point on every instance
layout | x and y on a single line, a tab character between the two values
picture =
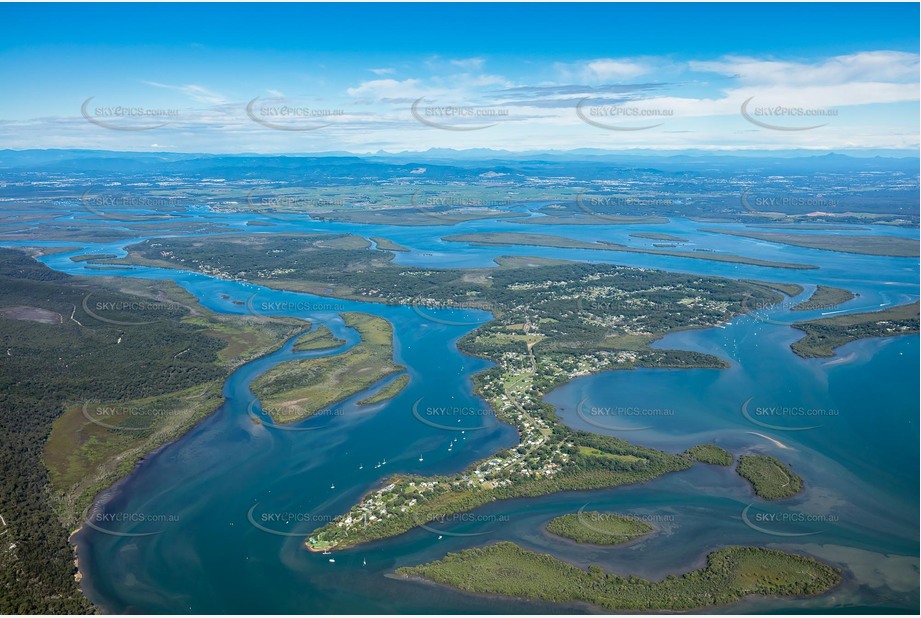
825	297
598	528
388	392
710	454
891	246
298	389
770	478
528	239
658	236
730	575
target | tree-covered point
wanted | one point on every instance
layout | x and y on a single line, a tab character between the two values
770	478
730	575
825	335
389	391
598	528
825	297
710	454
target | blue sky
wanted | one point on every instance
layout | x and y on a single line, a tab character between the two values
311	78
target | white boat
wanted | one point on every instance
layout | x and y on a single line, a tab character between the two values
333	486
364	562
420	457
332	559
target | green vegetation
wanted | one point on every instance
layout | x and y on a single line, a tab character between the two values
553	322
385	244
770	478
546	240
388	392
825	335
710	454
320	338
297	389
159	371
790	289
730	575
893	246
93	256
598	528
658	236
825	297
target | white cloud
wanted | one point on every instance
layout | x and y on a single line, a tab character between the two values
384	89
197	93
862	67
604	70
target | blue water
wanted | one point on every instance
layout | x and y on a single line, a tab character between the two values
242	495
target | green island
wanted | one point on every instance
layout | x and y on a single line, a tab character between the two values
588	219
86	399
547	240
658	236
731	574
825	297
598	528
710	454
790	289
891	246
320	338
298	389
770	478
825	335
552	323
388	392
92	256
385	244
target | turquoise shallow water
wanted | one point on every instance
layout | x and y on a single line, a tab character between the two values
237	498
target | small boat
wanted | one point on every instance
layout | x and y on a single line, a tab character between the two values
326	552
439	537
384	463
364	562
332	559
361	467
420	457
333	486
